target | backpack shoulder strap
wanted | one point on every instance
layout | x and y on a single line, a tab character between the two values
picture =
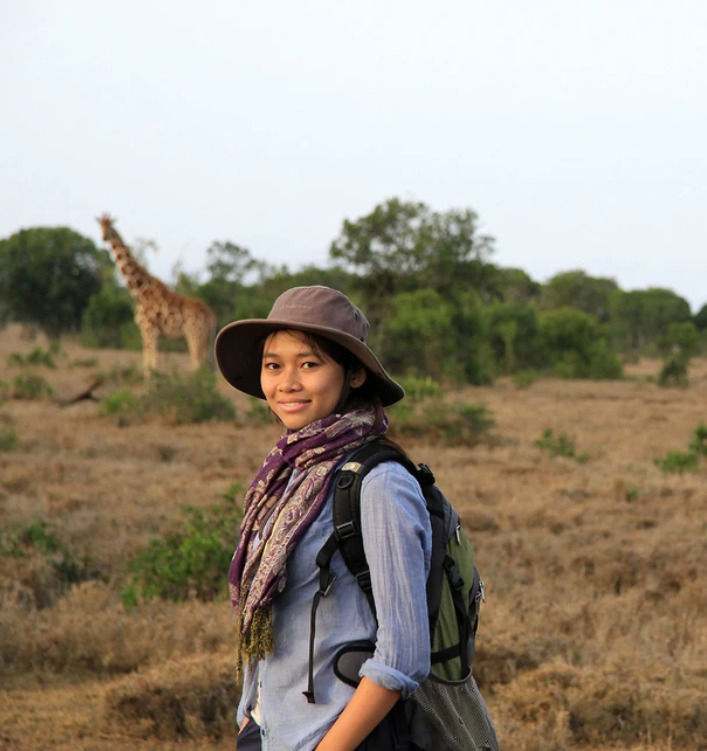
347	507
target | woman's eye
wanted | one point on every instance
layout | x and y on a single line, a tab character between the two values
270	366
309	364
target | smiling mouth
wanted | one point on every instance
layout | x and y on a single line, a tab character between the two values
293	404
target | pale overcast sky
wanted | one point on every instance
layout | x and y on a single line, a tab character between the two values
576	129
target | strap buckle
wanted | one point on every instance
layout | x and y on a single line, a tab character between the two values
364	580
346	530
330	582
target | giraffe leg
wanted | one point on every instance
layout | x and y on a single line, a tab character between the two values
198	349
199	335
149	347
193	347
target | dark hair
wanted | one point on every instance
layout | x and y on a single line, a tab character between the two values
350	398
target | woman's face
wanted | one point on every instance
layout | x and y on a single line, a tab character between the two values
300	384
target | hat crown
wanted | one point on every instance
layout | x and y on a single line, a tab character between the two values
320	307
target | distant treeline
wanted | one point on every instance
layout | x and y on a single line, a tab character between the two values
437	304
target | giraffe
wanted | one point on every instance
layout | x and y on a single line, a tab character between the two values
159	310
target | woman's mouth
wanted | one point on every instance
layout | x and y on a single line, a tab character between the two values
293	405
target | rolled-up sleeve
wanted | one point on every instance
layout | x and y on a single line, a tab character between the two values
397	541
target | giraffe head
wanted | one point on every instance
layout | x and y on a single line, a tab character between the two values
106	222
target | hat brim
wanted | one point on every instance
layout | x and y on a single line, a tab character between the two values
238	355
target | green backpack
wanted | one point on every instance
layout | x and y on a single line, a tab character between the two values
447	712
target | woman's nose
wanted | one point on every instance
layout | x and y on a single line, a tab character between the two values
289	380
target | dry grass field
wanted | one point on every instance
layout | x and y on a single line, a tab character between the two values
594	634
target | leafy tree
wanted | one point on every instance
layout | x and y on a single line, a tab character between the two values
472	349
513	333
385	243
575	289
640	317
108	319
425	335
185	283
403	246
700	319
515	285
234	287
283	279
47	277
573	345
677	346
680	337
418	334
454	257
229	262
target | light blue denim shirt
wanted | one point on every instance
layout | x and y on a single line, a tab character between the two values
397	540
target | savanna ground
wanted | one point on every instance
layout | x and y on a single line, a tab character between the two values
594	634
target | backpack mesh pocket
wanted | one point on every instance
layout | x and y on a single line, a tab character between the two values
456	711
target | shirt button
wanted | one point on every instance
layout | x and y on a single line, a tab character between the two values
262	732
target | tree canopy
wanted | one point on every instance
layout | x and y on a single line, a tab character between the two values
403	246
577	289
641	316
47	277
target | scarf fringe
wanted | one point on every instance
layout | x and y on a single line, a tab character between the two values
258	641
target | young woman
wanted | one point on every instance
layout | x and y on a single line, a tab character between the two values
309	360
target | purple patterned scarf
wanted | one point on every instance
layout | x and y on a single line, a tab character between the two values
277	512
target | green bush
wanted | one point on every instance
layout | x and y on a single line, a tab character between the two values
698	441
187	399
126	374
37	356
561	445
524	379
681	338
459	424
41	538
8	439
108	317
84	362
678	346
686	461
121	403
182	399
192	562
575	346
417	389
514	334
604	364
130	337
678	462
674	371
420	316
30	386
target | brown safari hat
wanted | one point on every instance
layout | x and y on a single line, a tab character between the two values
319	310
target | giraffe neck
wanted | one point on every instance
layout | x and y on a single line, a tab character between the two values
136	276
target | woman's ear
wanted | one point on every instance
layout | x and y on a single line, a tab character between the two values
358	378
